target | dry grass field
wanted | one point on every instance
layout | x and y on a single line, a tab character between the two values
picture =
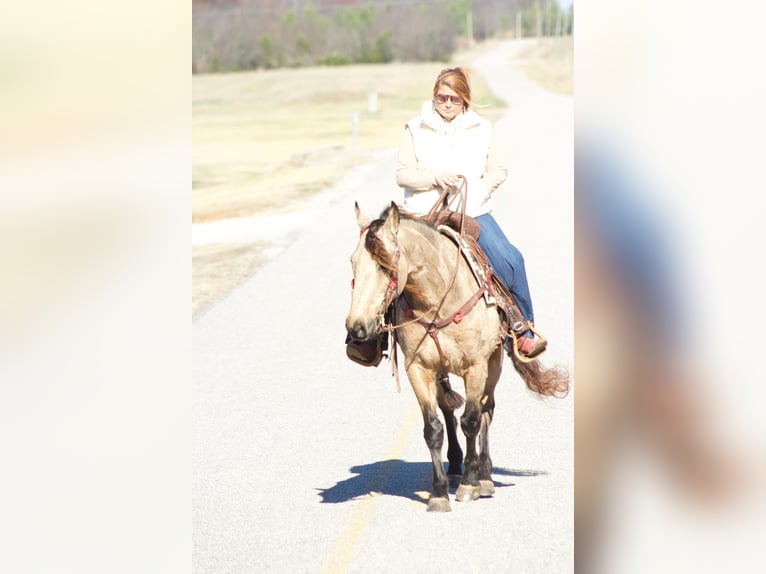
550	64
265	140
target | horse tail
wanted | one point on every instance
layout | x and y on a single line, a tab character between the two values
546	381
452	399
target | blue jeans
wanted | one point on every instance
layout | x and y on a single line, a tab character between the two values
507	263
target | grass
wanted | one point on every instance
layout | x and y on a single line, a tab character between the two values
218	269
549	63
264	139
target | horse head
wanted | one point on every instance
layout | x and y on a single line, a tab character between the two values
377	272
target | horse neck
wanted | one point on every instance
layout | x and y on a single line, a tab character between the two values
429	264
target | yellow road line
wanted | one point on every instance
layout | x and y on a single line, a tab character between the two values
344	548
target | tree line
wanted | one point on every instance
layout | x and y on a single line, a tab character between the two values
230	35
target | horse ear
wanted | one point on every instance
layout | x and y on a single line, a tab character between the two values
392	220
361	218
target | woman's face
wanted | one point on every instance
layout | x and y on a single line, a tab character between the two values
447	103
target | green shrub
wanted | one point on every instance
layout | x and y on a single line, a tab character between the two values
334	59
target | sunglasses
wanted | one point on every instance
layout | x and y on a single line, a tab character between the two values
442	99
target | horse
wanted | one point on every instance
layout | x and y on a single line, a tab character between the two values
407	272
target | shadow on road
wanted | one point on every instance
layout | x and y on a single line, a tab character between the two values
395	477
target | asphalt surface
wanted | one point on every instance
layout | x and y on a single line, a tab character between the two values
306	462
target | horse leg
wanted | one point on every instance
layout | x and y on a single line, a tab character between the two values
424	384
454	452
486	485
470	422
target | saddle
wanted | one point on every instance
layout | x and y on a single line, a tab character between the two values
512	320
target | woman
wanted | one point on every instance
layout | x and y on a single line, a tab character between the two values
448	139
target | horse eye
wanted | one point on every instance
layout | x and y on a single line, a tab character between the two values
352	283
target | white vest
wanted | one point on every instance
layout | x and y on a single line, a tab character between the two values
461	147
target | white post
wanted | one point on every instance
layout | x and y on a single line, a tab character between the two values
469	26
372	102
518	24
354	124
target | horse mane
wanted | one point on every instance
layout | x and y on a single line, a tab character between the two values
404	214
374	244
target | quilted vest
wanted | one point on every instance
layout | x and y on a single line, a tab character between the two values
461	147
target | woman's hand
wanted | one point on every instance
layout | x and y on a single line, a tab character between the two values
446	179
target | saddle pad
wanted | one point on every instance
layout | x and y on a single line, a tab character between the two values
478	270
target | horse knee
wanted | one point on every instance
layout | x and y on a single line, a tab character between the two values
433	431
471	420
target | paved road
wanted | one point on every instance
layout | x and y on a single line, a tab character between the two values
306	462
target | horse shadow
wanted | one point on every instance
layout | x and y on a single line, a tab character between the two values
396	477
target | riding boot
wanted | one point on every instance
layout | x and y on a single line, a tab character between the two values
527	344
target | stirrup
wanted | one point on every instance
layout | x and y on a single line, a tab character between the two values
542	345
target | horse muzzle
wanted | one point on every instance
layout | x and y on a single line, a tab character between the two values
359	331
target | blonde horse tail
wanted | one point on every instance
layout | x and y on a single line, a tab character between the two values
546	381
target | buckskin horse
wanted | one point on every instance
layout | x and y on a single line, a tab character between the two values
410	280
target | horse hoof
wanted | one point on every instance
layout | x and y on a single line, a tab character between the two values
466	493
438	505
454	480
486	488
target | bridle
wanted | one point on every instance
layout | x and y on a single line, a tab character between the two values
392	290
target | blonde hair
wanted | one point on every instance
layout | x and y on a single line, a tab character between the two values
457	80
